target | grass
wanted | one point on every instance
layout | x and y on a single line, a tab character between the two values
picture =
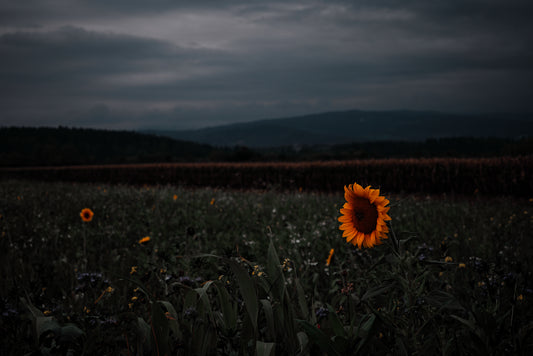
233	272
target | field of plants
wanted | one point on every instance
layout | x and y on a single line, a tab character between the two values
467	176
170	270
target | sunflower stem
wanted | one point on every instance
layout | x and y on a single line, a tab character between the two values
85	249
395	241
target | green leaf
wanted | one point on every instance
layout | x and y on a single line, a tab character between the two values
172	317
228	311
335	322
46	324
145	331
479	336
275	272
70	332
376	291
248	292
264	348
161	331
303	341
319	338
366	331
202	293
302	301
269	315
34	311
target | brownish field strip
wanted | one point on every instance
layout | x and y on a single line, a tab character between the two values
506	175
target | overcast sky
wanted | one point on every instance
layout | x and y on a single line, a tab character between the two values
176	64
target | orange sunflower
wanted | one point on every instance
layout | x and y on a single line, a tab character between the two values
364	216
86	214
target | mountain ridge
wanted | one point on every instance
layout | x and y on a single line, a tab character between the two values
341	127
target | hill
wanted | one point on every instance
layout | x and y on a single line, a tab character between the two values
344	127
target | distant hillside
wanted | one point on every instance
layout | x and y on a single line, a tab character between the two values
70	146
359	126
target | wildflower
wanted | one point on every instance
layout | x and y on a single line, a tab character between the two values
364	216
86	310
168	316
86	215
321	313
133	270
130	305
47	312
134	298
520	297
448	259
107	290
328	261
144	240
286	266
175	197
462	265
257	271
212	201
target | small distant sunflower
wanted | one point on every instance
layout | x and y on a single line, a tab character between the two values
364	216
86	214
328	261
144	240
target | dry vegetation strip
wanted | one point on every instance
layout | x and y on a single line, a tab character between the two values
506	175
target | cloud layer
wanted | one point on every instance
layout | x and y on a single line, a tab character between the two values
168	64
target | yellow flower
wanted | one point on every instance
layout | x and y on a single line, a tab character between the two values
448	259
133	270
520	297
47	312
462	265
144	240
109	289
364	216
86	215
328	261
175	197
134	298
212	201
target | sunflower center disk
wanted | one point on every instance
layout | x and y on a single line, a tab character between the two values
365	215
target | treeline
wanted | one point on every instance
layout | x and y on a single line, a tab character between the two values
24	146
43	146
430	148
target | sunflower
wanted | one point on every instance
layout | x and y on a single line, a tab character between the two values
364	216
328	261
86	214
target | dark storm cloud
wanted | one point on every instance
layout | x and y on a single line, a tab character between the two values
184	64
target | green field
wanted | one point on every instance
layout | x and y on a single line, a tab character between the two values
244	272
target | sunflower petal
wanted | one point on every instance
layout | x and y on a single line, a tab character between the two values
350	236
344	218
